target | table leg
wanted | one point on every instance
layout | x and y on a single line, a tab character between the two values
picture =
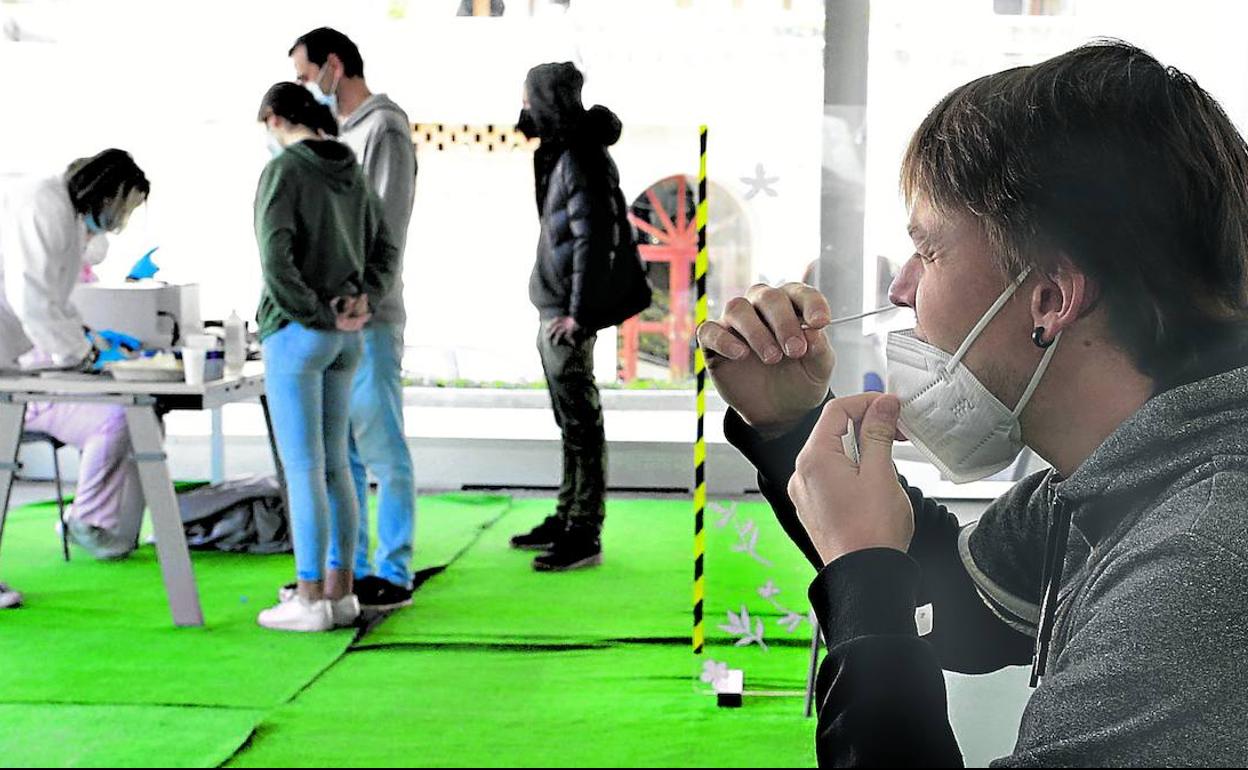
277	459
816	637
218	448
171	549
12	415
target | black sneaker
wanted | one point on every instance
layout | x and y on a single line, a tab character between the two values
380	595
543	536
572	551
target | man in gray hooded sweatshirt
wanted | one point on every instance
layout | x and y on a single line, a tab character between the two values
378	131
1080	284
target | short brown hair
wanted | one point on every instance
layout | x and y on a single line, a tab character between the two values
322	41
1126	167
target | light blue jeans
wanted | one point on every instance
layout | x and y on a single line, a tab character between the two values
308	383
379	446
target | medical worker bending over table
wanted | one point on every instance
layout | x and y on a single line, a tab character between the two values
49	228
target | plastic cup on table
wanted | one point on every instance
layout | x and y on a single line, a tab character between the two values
193	363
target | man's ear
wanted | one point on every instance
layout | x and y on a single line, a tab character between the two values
1060	298
335	64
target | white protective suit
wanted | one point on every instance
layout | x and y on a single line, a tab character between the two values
43	243
43	247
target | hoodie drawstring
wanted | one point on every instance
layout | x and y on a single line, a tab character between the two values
1054	561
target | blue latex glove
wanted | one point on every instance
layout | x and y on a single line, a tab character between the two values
111	346
107	356
119	340
144	268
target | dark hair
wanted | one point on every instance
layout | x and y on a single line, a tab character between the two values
1125	167
99	184
323	41
294	103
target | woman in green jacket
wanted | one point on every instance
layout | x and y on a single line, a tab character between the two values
324	250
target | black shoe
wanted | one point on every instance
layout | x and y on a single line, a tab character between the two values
380	595
543	536
573	551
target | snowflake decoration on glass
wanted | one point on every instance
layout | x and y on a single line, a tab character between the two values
714	671
747	542
726	513
769	590
760	182
791	622
741	625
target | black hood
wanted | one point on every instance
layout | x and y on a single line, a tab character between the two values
554	92
601	126
557	116
556	112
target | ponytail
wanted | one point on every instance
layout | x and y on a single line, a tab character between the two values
295	104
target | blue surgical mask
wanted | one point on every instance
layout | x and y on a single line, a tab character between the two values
93	225
330	99
275	147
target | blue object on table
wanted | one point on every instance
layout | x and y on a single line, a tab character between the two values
112	346
106	357
117	339
144	268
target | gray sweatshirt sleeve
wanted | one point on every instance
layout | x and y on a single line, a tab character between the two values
390	167
381	264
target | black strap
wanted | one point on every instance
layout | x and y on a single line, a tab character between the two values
1055	559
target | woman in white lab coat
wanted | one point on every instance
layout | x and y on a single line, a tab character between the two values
49	228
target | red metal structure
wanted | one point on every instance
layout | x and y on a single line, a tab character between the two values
677	245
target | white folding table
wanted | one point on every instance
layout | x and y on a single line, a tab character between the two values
144	403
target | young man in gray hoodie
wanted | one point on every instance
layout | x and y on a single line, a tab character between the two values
1080	283
378	131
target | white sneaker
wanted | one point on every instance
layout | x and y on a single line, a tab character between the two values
9	597
345	611
104	545
299	614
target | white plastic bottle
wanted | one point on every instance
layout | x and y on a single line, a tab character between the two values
235	343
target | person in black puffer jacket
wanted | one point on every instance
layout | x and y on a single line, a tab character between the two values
582	223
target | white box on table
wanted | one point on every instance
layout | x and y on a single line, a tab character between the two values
147	310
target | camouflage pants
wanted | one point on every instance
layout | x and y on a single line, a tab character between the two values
569	368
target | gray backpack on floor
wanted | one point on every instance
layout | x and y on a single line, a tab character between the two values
245	515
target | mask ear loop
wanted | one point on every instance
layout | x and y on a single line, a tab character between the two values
334	84
987	318
1035	378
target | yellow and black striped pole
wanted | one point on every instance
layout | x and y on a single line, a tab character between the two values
699	448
